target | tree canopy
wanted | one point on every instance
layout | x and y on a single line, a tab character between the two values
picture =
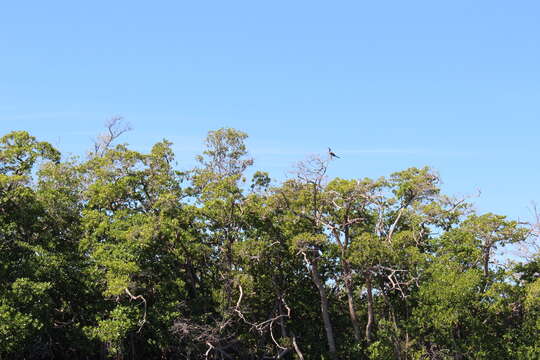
122	255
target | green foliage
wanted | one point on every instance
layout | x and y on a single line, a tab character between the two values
115	327
19	151
121	255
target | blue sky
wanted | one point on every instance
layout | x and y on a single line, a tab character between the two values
454	85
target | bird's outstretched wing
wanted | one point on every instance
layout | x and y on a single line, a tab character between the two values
332	154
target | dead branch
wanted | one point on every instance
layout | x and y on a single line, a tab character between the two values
114	129
296	348
143	301
394	282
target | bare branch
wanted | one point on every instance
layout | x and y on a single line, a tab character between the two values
143	301
296	348
114	128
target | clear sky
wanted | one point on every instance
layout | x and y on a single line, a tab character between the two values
387	84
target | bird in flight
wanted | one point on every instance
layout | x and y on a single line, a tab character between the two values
332	154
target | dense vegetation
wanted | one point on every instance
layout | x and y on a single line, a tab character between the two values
121	255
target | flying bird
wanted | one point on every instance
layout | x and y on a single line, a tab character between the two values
332	154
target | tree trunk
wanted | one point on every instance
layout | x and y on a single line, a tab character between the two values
228	281
370	314
132	346
350	299
486	261
103	351
281	321
324	310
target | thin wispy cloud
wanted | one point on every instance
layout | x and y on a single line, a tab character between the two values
276	152
293	152
298	152
382	151
38	116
